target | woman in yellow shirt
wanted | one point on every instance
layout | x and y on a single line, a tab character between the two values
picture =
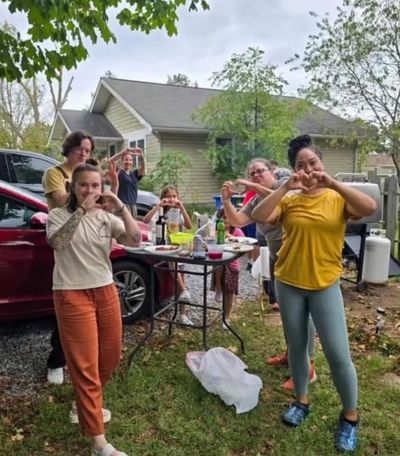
307	276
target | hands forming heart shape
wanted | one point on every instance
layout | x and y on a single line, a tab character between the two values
309	182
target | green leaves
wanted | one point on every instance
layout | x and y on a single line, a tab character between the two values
169	168
354	64
61	26
250	112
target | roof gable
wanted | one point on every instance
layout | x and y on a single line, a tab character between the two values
96	125
170	107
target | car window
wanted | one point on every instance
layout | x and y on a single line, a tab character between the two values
29	170
4	169
14	214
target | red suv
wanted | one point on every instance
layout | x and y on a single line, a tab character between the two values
26	263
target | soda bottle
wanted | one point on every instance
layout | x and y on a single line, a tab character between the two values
221	231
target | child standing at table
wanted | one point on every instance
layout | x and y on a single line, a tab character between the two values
169	199
230	287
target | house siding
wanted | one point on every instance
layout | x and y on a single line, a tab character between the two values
199	183
152	151
340	158
121	118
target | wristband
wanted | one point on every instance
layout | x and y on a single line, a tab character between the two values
81	207
225	200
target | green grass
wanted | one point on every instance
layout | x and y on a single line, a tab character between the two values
159	408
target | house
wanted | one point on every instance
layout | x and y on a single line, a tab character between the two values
381	164
157	117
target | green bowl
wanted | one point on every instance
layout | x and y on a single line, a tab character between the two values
181	238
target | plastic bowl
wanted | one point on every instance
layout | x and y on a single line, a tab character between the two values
181	238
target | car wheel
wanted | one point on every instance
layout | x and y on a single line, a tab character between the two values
132	281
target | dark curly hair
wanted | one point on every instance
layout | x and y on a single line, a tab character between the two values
73	140
72	202
299	143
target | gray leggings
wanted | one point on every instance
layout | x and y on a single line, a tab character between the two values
327	311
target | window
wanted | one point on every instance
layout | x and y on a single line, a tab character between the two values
14	214
224	142
4	168
29	170
112	149
137	143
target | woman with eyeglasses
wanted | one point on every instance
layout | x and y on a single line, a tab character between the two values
261	180
307	275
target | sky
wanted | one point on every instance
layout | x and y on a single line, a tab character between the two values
205	42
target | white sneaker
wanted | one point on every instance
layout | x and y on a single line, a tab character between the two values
55	376
218	296
186	320
73	415
185	297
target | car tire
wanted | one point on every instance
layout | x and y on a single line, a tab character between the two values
142	210
132	281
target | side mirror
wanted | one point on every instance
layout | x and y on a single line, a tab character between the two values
39	220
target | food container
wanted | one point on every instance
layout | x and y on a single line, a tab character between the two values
181	238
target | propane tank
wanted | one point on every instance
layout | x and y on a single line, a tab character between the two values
376	257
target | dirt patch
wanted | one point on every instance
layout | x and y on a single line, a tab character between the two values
361	308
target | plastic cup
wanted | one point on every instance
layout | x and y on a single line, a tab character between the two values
215	251
174	216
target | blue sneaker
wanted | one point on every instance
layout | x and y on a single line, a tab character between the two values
346	435
296	414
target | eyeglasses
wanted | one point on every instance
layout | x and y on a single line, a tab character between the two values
258	171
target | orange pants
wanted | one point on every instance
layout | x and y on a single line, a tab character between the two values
91	335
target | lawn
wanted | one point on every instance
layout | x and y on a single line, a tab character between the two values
159	408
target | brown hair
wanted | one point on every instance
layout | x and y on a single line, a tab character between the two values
166	189
73	140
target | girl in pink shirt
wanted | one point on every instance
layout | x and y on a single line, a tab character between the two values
231	282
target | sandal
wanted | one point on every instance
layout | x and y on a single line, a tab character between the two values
108	450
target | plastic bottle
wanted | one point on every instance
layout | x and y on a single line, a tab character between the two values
221	231
211	229
153	228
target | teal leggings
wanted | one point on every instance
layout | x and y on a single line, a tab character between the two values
327	311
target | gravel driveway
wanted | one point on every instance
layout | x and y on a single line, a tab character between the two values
25	345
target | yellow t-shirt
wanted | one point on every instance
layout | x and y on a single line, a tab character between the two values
53	179
313	235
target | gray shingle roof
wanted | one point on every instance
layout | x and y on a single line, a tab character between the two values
96	125
171	107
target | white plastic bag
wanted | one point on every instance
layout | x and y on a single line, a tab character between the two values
223	373
261	265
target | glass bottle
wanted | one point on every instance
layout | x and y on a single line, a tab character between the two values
160	227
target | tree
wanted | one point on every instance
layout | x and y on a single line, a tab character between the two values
180	79
25	110
249	117
354	64
169	168
22	123
68	23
